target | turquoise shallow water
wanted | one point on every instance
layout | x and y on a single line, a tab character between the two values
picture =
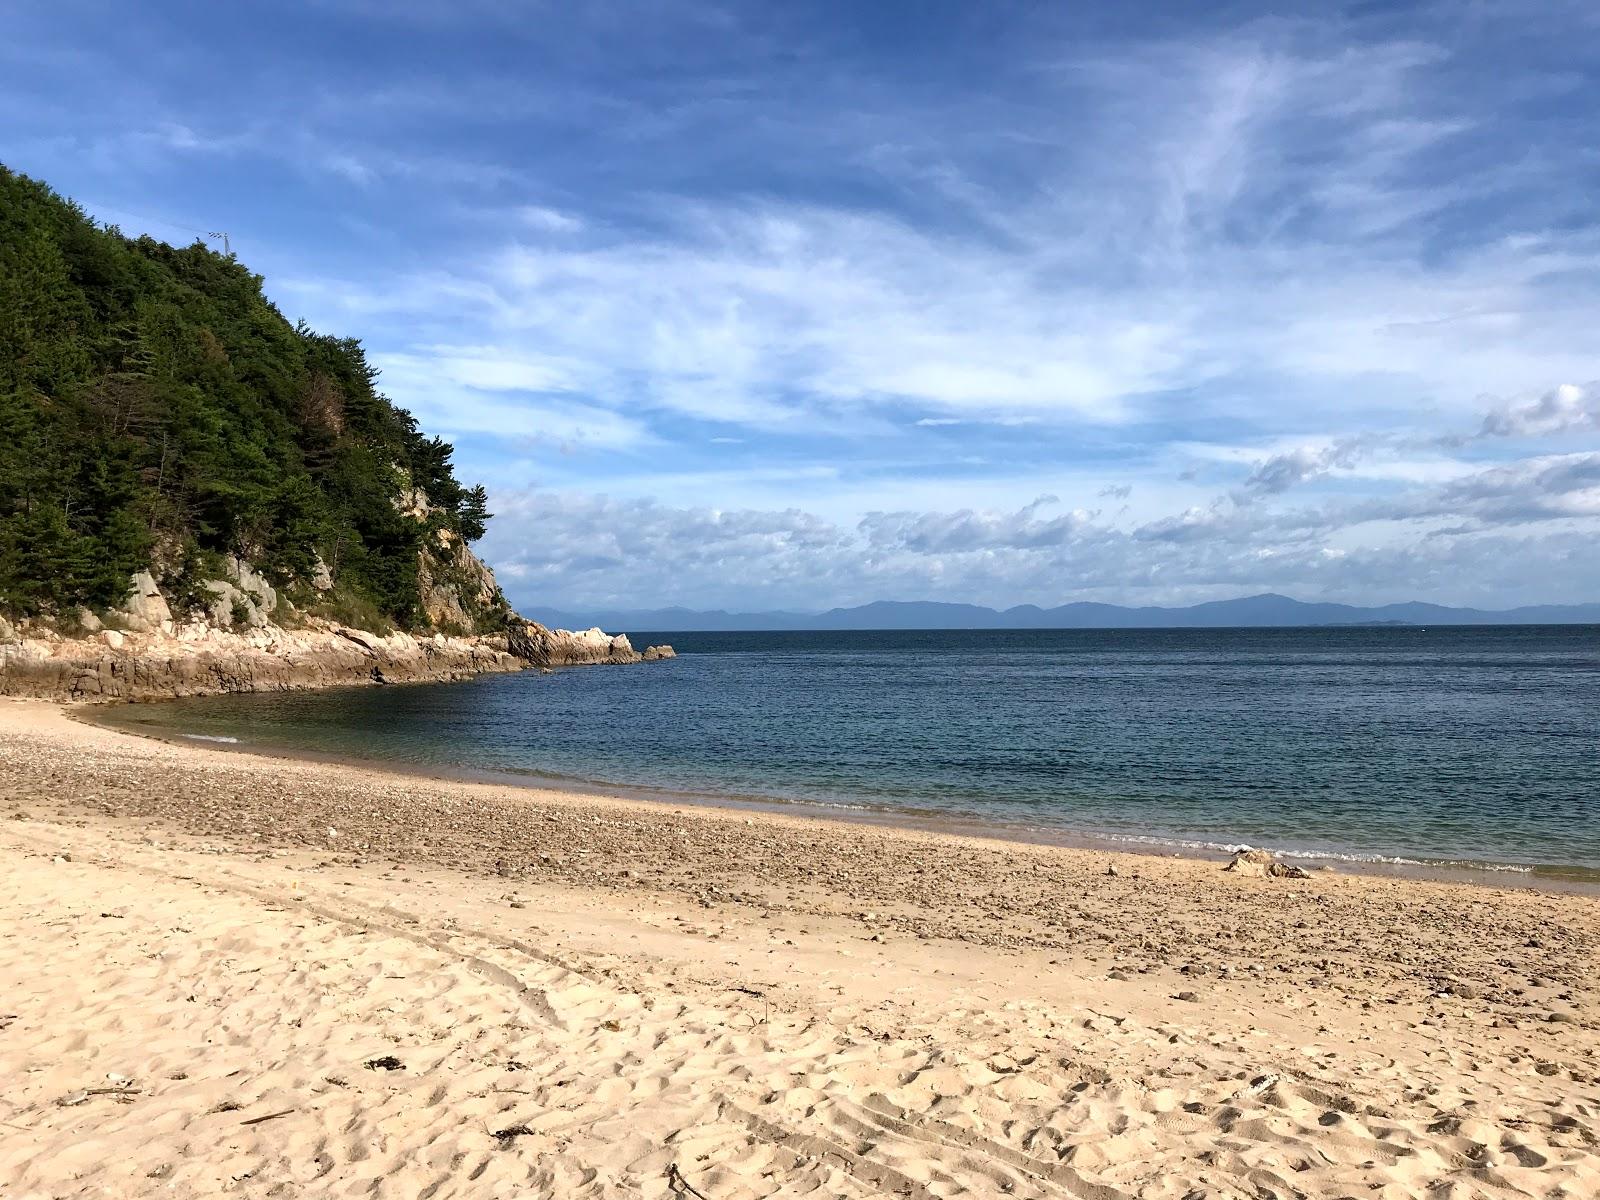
1449	746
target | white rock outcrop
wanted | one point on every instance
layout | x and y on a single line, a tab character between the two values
321	576
145	610
236	647
244	598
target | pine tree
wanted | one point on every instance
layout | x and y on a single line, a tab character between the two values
474	514
154	402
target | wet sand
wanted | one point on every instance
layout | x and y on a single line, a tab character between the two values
585	996
135	719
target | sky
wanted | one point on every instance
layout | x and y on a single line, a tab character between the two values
758	306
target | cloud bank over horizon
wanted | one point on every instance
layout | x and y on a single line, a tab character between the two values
818	305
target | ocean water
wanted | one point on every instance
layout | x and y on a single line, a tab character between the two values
1475	747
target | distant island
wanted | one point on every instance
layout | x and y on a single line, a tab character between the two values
1264	611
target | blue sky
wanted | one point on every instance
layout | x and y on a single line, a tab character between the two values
795	305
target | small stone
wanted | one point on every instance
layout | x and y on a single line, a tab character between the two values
1561	1018
1112	871
1189	996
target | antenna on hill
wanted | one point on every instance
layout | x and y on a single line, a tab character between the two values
226	248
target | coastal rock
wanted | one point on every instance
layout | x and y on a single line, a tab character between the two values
1250	862
543	647
655	653
145	610
370	642
413	502
457	589
234	645
1262	863
455	584
231	607
321	577
204	661
199	659
252	584
88	622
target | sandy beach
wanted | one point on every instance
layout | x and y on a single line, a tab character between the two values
226	974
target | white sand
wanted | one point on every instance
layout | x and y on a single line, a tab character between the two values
649	1041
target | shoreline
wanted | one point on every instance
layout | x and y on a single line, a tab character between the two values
1538	877
172	661
235	973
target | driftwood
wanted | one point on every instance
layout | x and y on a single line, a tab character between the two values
78	1097
507	1137
268	1117
680	1186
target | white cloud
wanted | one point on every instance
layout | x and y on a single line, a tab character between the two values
1268	253
1503	537
1290	259
548	220
485	368
1565	409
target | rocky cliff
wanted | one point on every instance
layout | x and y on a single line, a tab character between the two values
195	659
229	639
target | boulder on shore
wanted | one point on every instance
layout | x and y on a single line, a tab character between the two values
1264	864
532	642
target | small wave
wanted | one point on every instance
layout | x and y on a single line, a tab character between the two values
1323	855
209	737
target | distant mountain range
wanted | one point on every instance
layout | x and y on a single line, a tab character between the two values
1266	610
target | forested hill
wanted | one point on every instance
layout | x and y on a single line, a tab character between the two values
158	412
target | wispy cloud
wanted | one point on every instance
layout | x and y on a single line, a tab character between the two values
1565	409
811	317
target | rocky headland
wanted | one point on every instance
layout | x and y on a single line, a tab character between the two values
141	650
196	659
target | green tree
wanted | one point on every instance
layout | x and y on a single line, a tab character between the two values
475	514
157	409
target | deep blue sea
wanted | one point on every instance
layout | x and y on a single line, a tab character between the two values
1439	746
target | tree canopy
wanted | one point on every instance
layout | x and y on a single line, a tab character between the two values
157	410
